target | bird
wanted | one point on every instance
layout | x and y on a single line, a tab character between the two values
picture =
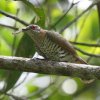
52	45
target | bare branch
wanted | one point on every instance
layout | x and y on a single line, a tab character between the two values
74	20
11	95
11	27
14	17
21	81
14	97
85	44
83	71
87	54
59	20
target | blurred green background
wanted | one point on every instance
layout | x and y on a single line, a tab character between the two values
77	21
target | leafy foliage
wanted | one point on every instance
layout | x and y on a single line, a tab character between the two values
48	14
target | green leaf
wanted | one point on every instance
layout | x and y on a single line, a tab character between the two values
12	78
90	31
24	49
2	74
38	11
98	11
8	6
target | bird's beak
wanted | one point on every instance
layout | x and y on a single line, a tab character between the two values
21	30
25	29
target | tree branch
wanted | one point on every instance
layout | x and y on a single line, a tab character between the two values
85	44
83	71
87	54
14	17
8	26
58	21
74	20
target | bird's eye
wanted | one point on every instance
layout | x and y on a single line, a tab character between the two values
33	27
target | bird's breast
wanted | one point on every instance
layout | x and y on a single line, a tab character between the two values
53	51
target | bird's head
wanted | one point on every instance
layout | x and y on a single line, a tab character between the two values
32	27
34	31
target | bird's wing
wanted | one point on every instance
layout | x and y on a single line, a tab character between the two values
58	39
63	43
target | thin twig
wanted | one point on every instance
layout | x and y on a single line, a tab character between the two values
84	89
74	20
42	90
85	44
14	97
59	20
88	54
39	91
14	17
75	24
14	39
11	27
21	81
54	91
82	25
11	95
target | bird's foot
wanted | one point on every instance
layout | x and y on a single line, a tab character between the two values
35	58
